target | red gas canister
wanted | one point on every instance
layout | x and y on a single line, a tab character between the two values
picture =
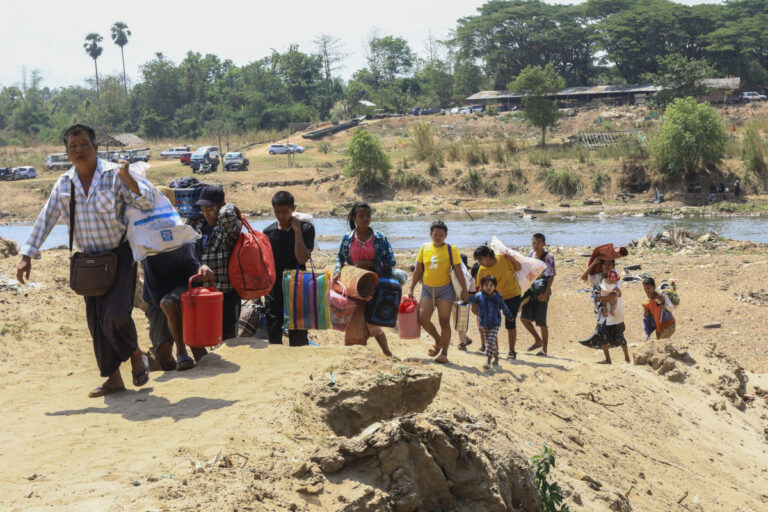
201	312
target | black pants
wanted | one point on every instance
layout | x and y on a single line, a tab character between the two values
232	305
276	317
109	317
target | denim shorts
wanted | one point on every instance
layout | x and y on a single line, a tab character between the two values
438	292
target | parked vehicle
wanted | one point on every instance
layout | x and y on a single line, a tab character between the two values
295	148
185	157
130	155
6	173
753	96
198	160
203	168
213	150
24	173
235	162
175	152
465	110
429	111
57	161
477	108
415	112
454	110
277	149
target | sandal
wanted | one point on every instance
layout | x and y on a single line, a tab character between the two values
463	346
534	347
541	353
104	390
184	363
486	366
511	354
433	351
141	378
481	349
442	359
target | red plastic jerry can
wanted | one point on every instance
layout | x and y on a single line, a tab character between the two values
201	313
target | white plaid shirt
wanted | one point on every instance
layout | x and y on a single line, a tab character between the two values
99	217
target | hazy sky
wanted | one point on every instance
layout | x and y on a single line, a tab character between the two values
49	35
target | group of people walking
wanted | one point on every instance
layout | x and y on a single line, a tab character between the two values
93	198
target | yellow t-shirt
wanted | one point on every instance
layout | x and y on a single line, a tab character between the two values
504	272
437	263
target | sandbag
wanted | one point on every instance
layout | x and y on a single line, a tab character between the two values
158	229
360	283
530	269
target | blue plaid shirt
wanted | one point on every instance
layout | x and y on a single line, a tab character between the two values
385	258
99	217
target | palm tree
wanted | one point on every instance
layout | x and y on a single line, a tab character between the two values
120	35
93	49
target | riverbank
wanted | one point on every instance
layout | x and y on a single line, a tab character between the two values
644	436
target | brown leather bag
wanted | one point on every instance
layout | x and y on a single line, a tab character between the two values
90	275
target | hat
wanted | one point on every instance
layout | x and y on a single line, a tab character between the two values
211	195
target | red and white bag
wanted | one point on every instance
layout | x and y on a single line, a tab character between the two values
341	306
252	265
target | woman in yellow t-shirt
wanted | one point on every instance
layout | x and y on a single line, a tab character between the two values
433	268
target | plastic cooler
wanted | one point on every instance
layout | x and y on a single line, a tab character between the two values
185	201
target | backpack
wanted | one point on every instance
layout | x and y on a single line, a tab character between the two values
383	307
252	265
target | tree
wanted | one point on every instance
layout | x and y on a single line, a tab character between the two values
120	34
367	160
536	83
331	55
93	49
691	137
679	78
389	57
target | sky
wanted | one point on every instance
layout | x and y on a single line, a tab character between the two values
49	35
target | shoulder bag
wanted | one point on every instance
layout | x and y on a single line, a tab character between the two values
90	275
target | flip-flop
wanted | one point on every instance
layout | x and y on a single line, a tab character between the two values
141	378
433	351
534	347
462	346
441	359
541	353
184	363
104	390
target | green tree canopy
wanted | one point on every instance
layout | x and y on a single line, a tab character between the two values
536	83
679	78
367	160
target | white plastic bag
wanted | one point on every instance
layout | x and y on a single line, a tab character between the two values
159	229
455	280
530	269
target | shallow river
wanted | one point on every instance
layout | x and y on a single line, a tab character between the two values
410	233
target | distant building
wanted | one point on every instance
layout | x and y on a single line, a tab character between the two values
719	88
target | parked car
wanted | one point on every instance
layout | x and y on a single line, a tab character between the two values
184	157
197	159
415	112
276	149
296	148
175	152
235	162
752	96
24	173
213	150
57	161
429	111
6	173
454	110
465	110
477	108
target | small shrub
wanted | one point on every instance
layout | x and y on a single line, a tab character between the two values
753	152
367	160
325	147
599	181
423	141
410	181
453	151
517	173
550	492
472	153
491	188
582	154
498	154
512	186
540	158
563	183
511	145
471	182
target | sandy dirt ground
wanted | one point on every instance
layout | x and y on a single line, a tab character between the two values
627	436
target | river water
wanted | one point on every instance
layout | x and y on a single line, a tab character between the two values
581	230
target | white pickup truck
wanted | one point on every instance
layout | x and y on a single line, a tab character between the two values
57	161
175	152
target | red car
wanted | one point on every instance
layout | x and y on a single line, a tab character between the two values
185	158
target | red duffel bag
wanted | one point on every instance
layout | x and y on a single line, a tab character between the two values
251	265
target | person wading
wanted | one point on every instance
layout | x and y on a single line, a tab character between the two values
101	195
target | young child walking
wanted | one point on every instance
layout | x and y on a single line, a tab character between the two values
489	303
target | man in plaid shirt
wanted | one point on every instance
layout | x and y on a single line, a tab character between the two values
220	228
102	192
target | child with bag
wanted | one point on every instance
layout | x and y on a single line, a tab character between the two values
365	248
658	312
489	303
